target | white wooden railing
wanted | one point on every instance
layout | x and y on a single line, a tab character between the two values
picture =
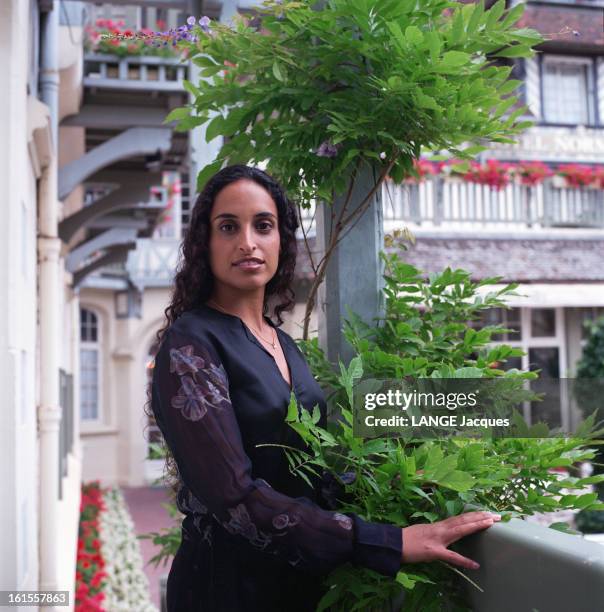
457	203
134	72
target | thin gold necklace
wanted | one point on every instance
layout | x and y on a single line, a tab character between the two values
274	341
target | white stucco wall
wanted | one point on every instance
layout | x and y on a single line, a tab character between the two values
18	442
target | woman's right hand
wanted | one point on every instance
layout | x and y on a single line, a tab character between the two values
428	542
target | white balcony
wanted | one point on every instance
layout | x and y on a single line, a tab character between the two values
134	73
435	203
457	204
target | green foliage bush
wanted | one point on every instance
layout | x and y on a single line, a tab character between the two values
591	366
425	332
365	77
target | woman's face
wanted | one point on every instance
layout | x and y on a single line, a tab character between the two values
244	225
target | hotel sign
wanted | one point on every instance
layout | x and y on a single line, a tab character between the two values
558	144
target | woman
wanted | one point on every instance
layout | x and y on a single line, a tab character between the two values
255	537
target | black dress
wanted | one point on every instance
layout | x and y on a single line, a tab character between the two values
255	537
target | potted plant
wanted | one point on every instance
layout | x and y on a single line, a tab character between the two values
532	173
576	175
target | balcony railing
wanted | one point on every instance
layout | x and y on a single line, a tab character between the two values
440	203
134	72
456	203
153	262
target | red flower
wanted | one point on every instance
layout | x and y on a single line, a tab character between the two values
424	168
494	173
82	590
576	175
97	579
533	173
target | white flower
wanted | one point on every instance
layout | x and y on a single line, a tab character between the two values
126	587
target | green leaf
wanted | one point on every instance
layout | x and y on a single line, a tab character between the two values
207	172
475	19
475	150
215	128
396	31
234	121
211	70
494	13
433	42
414	35
513	15
405	580
424	101
457	29
515	51
509	86
292	409
454	59
204	61
458	481
585	500
279	72
194	91
435	456
563	527
177	114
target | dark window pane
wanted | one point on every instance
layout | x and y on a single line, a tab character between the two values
545	359
589	314
543	322
511	363
493	316
513	322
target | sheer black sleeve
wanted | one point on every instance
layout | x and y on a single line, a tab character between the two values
193	409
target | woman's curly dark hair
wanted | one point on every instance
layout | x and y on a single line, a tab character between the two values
194	281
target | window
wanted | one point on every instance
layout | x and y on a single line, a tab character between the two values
540	335
543	322
568	90
89	365
503	317
588	315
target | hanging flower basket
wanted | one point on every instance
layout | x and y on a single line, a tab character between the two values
532	173
494	173
424	168
576	175
113	38
598	174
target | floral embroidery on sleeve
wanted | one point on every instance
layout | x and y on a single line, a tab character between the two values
242	524
343	520
196	395
281	521
184	361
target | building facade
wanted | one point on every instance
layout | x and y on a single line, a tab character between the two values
549	239
97	194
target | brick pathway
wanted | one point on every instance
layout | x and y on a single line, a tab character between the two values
148	514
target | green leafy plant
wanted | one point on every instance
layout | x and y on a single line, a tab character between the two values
326	91
425	332
590	375
167	539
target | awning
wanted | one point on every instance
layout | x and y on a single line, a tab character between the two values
553	294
